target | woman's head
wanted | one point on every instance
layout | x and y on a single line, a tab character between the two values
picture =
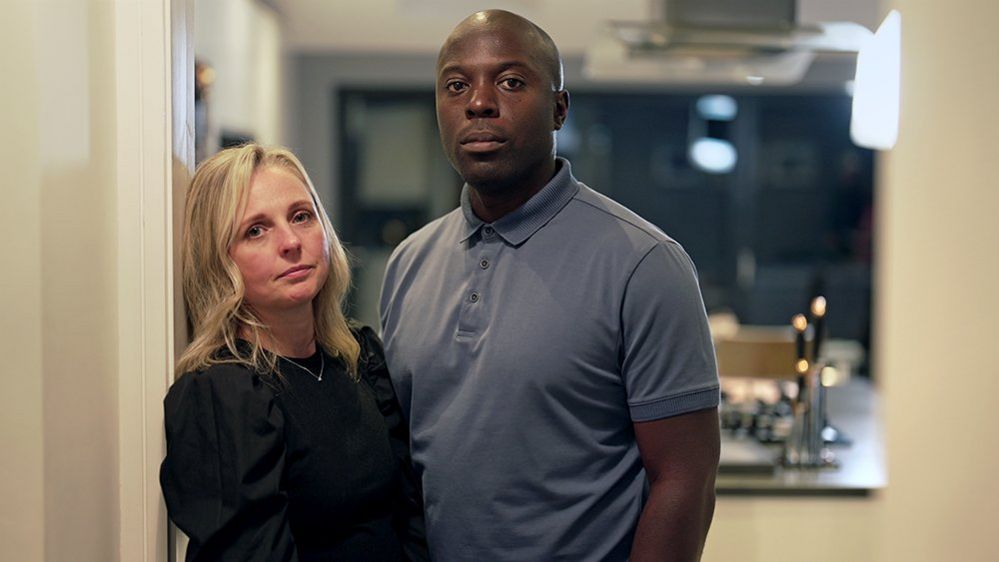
257	242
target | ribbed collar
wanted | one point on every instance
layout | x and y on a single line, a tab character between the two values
524	221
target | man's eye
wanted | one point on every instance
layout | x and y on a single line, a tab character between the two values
301	216
455	86
511	83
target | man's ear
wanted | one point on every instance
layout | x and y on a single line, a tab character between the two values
561	108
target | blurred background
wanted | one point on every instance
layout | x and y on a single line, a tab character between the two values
774	204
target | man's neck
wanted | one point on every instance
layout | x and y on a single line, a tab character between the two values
492	203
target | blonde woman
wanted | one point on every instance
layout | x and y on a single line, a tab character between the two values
284	437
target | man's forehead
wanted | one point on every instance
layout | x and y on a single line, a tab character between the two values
508	49
494	37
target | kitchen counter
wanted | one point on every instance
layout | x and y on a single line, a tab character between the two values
854	409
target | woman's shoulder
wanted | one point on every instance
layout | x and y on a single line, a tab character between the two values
226	395
361	331
372	354
224	373
226	379
373	368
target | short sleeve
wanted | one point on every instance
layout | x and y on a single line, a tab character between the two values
222	476
668	361
408	519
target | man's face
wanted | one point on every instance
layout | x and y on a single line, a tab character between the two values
497	107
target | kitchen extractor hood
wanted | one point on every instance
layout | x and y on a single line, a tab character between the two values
717	42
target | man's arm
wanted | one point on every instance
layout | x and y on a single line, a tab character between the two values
680	455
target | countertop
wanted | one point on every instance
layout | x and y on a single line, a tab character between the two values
855	409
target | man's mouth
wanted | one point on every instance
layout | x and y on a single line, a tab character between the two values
481	142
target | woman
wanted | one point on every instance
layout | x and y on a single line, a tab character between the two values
284	437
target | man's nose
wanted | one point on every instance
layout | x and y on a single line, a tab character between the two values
482	103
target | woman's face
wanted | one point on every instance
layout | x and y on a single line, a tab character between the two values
280	246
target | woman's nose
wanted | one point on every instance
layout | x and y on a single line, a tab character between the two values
290	241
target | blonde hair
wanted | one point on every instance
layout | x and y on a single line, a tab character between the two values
213	285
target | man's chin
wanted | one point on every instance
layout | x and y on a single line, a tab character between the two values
484	175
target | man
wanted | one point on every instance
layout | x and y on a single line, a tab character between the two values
546	343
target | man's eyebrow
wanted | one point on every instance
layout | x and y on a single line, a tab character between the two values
450	67
498	67
514	64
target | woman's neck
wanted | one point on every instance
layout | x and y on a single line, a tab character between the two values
291	333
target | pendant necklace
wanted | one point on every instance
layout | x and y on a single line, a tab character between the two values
322	366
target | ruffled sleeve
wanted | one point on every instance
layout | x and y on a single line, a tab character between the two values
222	476
408	520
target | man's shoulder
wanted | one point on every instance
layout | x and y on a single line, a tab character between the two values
600	211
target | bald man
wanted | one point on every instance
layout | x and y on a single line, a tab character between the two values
549	346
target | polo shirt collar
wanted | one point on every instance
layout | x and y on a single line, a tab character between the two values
524	221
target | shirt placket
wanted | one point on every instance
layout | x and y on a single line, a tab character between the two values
472	316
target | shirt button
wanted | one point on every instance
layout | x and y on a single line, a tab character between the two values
484	264
474	297
487	230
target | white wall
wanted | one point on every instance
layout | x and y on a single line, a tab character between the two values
58	469
21	480
88	151
938	270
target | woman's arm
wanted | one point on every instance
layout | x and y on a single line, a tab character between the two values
222	474
408	521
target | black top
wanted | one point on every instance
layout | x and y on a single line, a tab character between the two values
291	468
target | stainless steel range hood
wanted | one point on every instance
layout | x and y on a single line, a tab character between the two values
724	42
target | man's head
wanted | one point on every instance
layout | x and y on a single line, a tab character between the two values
500	101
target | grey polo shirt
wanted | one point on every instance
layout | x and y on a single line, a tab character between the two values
522	352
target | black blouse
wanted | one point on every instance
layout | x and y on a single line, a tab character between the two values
292	468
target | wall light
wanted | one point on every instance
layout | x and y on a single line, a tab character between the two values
714	156
717	107
877	85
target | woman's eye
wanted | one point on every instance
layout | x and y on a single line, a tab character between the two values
302	216
254	232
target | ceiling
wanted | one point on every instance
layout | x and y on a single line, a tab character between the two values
419	26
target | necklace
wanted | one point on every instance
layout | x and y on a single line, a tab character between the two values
322	366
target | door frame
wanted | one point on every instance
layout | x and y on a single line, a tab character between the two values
154	68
